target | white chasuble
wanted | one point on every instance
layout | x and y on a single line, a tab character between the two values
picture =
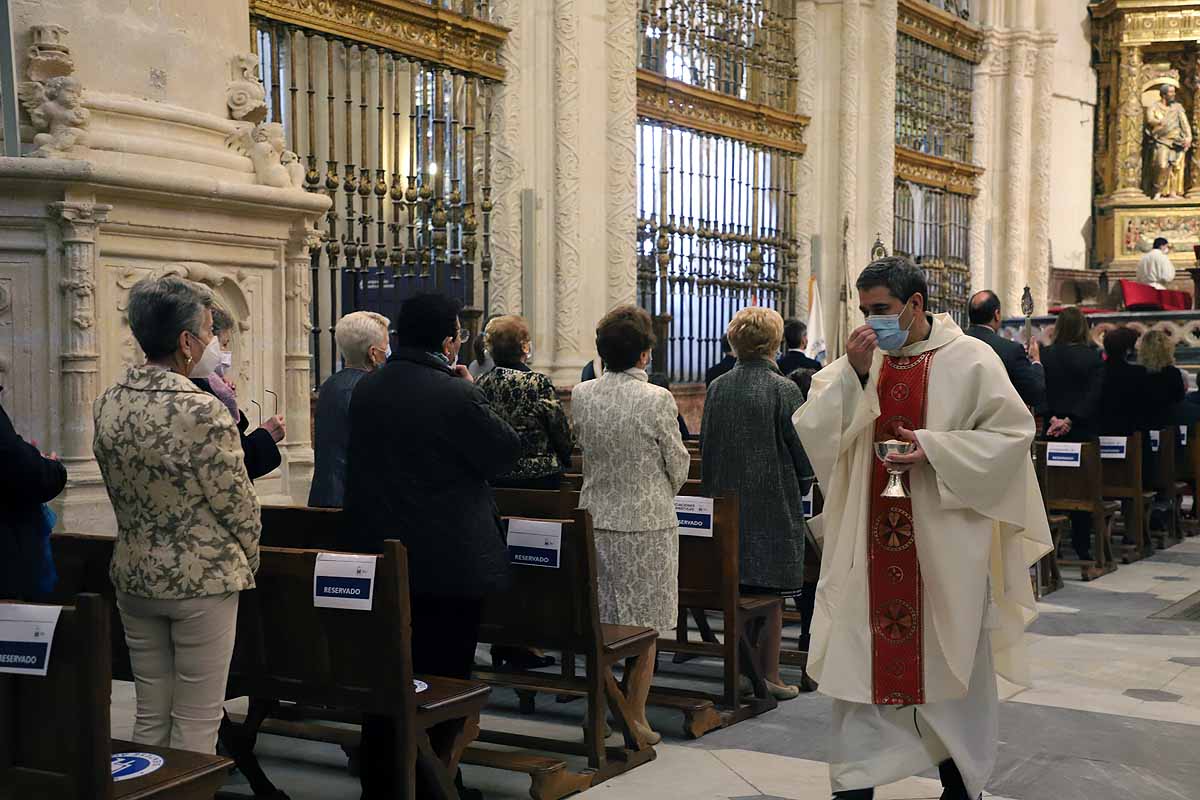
978	524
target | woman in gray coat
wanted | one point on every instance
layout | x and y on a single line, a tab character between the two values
749	446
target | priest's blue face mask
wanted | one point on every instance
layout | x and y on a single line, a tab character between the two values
887	329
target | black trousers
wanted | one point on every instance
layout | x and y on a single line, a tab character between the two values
445	631
953	787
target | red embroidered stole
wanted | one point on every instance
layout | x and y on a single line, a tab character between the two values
894	574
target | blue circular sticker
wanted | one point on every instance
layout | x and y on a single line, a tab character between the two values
126	766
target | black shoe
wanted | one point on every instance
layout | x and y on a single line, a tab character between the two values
855	794
953	787
464	792
518	658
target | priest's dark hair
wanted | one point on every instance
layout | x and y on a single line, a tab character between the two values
899	274
622	336
425	320
1160	243
983	307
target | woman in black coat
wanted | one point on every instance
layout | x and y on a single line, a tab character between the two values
1074	376
27	479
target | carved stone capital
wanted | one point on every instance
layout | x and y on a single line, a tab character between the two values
49	56
245	94
79	220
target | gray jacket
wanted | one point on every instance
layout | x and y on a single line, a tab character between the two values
750	447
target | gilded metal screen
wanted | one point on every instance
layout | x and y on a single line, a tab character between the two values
931	227
933	100
717	151
403	149
714	236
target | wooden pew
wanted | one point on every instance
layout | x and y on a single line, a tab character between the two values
55	731
1187	471
708	580
82	565
340	664
1124	481
1163	481
556	609
1066	489
1049	576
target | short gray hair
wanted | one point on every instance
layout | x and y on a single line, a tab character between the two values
161	308
358	332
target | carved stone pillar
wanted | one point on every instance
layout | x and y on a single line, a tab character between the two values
620	200
80	356
804	207
1129	125
297	359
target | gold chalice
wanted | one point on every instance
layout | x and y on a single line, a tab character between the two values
893	447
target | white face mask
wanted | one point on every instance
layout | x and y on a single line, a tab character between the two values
209	360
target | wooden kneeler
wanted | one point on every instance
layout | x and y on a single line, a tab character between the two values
55	730
339	664
557	609
1066	489
1124	481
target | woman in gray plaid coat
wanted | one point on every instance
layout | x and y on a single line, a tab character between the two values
750	447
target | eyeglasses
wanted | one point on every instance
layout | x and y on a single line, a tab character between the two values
255	403
464	335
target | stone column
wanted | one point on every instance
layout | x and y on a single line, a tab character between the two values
1039	203
620	200
1193	68
568	193
804	213
981	207
297	358
842	286
80	352
1016	157
1129	125
883	174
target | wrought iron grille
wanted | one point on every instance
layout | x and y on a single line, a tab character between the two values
933	100
403	149
714	235
743	49
931	227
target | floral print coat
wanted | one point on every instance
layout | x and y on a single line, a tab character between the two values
527	401
187	516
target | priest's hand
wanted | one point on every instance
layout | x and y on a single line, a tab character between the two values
916	456
860	349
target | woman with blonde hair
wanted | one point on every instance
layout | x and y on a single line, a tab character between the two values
750	447
1164	387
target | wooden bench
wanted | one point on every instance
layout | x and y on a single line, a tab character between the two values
1187	472
1066	489
708	580
1163	481
1124	481
55	731
339	664
557	609
1048	575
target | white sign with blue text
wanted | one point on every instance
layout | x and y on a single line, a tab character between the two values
1155	440
695	516
26	633
1063	454
1183	435
127	766
806	503
1114	447
534	542
342	580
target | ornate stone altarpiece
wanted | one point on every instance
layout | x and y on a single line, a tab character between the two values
1140	47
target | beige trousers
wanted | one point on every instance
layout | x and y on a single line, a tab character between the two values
180	652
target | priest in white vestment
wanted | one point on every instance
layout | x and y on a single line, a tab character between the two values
921	600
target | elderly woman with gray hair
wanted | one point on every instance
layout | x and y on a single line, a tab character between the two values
750	447
187	518
362	338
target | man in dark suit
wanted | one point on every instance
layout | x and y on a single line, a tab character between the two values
423	445
795	336
726	363
1024	366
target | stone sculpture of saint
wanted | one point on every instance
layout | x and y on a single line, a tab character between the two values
1170	137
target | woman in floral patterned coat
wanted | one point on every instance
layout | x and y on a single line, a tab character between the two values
187	517
634	462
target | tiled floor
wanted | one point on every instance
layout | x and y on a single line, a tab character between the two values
1114	715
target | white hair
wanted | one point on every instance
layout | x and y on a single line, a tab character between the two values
358	332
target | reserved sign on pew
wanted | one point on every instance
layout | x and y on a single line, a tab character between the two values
534	542
806	503
1113	447
342	580
1063	454
1155	440
695	515
26	633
